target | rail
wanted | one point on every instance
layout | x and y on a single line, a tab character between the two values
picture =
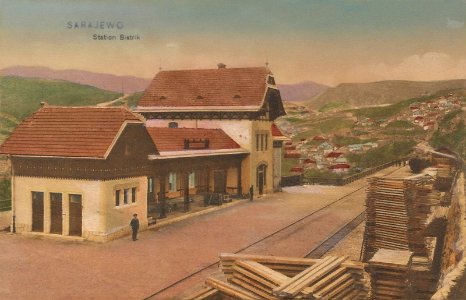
339	235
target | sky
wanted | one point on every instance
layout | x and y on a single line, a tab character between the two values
324	41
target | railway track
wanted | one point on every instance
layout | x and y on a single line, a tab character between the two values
316	252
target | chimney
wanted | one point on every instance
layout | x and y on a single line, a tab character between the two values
221	65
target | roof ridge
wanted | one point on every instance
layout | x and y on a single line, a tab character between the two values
212	69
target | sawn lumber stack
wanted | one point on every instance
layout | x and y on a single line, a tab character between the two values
271	277
396	214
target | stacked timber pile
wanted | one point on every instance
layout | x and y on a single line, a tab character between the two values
271	277
423	279
390	271
396	214
445	172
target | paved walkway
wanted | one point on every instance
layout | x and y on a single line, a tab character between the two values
40	268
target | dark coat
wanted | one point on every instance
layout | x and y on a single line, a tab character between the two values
134	224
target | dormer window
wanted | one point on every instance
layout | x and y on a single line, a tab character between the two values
236	96
199	97
162	98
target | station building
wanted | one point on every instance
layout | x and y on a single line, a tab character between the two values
83	171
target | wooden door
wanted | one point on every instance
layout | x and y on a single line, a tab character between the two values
56	213
261	183
38	211
219	181
261	177
76	215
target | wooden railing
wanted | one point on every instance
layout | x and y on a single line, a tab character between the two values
348	179
338	181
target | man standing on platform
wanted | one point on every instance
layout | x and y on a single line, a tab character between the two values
134	224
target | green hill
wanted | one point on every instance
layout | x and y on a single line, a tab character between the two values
21	96
382	92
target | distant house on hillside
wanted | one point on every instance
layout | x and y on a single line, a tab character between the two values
339	168
341	160
418	119
319	138
333	155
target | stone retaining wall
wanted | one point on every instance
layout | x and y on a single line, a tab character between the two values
453	258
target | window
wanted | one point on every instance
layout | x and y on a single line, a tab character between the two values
125	196
75	198
192	180
117	198
172	182
150	184
262	141
133	195
173	125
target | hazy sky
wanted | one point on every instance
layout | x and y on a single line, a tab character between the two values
324	41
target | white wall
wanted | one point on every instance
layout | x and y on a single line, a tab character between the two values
22	201
101	220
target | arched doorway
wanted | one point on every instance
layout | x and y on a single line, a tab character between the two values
261	177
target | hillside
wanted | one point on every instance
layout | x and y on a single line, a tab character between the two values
377	93
109	82
301	91
451	133
19	97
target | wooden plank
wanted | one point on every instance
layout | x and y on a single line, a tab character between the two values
312	276
265	282
316	276
202	293
229	289
263	271
248	286
297	278
329	288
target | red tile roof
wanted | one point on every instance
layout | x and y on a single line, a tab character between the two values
209	87
292	154
340	166
334	154
172	139
68	132
276	131
319	138
297	169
